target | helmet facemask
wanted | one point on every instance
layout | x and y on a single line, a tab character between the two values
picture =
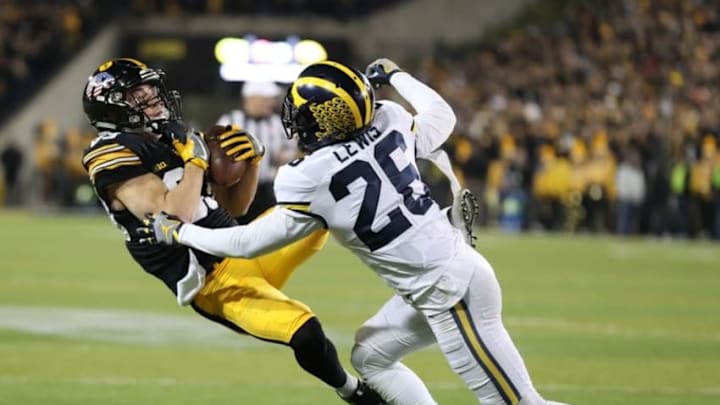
142	99
289	116
298	122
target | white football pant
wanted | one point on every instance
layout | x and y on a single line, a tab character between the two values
471	335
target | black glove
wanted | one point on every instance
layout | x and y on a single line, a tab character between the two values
188	143
160	228
380	70
175	130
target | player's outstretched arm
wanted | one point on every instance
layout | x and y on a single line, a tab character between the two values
273	231
435	119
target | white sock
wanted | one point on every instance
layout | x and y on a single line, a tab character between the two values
349	387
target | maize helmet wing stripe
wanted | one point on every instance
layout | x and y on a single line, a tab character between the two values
353	82
332	89
328	103
362	84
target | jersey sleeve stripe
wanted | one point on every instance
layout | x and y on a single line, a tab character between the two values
111	156
295	206
112	164
102	150
310	214
301	208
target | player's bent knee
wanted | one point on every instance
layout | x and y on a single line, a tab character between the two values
364	359
368	361
309	338
358	357
360	352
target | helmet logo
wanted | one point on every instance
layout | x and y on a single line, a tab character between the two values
334	117
97	83
105	66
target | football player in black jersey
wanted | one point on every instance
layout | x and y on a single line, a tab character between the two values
144	160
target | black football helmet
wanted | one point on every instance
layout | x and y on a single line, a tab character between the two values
105	95
328	103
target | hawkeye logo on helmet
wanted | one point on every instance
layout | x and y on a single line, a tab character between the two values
97	83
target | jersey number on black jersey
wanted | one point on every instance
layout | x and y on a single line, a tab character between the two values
400	179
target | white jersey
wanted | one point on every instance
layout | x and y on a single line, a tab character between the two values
369	193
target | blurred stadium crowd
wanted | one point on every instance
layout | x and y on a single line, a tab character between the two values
33	36
340	9
607	120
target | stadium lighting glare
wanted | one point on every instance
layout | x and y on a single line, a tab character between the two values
232	50
276	53
308	51
252	58
263	72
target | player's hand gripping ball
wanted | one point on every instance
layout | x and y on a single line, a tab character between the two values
225	168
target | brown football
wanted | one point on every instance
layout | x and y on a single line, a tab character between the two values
223	171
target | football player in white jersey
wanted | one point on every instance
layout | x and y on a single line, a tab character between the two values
359	179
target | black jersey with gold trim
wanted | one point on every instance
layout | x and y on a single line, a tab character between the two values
115	157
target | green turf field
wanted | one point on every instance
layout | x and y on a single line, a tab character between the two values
600	321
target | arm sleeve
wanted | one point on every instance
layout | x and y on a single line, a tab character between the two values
435	118
275	230
442	161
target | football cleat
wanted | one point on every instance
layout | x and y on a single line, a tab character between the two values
364	395
463	213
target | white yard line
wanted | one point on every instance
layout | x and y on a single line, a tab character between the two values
130	327
631	389
135	327
440	385
117	326
608	329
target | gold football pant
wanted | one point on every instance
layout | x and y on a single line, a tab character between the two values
244	294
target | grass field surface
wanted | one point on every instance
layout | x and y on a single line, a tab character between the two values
599	320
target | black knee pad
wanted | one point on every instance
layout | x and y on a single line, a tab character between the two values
309	338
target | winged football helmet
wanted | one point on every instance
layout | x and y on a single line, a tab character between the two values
106	102
328	103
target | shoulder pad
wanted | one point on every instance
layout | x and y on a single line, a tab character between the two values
107	152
